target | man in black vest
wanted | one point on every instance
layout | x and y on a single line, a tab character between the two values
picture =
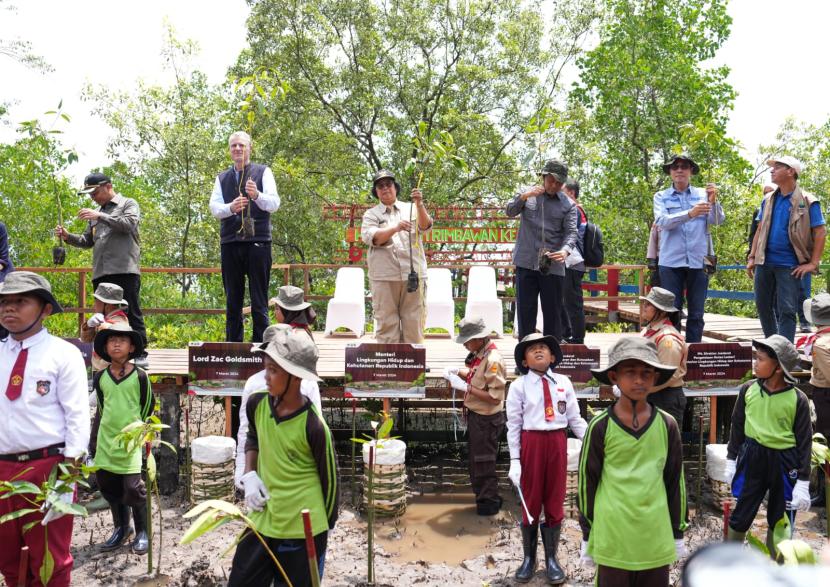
243	199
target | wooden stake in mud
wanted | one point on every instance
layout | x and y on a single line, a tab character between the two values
310	549
726	514
354	444
23	568
370	513
148	448
699	469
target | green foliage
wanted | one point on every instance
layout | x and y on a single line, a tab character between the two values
382	429
820	453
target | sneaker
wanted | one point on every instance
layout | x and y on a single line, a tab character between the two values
806	328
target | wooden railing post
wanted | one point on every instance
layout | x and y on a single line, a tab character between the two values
613	290
81	299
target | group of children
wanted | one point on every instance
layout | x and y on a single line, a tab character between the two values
631	495
46	422
632	491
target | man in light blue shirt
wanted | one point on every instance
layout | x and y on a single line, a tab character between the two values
683	214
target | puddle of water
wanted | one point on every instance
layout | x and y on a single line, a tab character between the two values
443	528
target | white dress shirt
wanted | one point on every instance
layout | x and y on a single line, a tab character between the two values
268	200
526	408
52	407
256	382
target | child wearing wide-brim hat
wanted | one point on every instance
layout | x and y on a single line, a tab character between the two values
290	308
658	312
541	406
295	470
482	380
256	382
108	309
817	311
43	399
770	441
124	396
632	499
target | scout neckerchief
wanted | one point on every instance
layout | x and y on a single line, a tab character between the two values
806	344
471	371
652	331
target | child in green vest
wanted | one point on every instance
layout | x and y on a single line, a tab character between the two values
632	495
290	465
124	396
770	442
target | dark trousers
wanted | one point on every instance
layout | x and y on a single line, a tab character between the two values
671	400
777	295
253	567
689	286
483	442
613	577
573	312
821	399
131	284
760	469
530	287
241	260
124	489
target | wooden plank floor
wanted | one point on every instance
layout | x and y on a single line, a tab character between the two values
716	326
441	352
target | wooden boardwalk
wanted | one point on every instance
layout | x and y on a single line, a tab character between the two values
441	352
717	326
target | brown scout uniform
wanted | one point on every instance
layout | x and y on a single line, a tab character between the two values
485	423
400	315
820	380
671	350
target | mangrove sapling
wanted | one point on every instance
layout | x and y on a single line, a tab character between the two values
215	513
133	437
62	480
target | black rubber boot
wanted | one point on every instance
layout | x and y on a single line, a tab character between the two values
141	542
121	527
550	539
530	540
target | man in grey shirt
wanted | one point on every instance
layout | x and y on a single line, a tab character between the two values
112	234
547	235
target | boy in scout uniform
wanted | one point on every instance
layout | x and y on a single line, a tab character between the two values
671	350
392	231
44	420
817	311
483	381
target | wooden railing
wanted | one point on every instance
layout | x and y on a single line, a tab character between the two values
504	271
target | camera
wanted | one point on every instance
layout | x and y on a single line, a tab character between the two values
544	261
412	282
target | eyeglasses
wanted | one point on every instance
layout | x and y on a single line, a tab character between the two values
680	165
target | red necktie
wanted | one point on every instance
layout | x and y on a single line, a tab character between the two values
549	415
15	387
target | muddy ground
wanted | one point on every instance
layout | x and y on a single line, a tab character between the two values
439	542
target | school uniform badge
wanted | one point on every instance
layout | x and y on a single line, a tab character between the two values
561	406
44	387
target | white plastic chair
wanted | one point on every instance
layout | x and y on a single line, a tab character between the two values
482	300
348	306
440	305
540	320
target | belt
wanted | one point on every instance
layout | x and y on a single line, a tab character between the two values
33	455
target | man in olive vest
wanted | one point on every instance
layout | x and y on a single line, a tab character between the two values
787	246
243	199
